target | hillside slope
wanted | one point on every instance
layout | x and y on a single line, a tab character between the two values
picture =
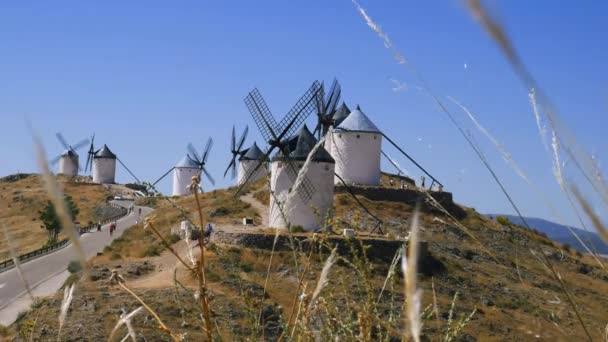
23	196
486	272
561	234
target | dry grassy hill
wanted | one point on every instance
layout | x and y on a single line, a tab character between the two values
490	270
23	196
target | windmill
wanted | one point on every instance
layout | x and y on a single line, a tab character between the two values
201	159
277	134
326	108
90	154
68	160
236	150
292	151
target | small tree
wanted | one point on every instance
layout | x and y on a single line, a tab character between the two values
50	219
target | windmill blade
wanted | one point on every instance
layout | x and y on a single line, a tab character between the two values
80	144
233	171
242	139
261	114
233	141
333	98
208	176
62	140
300	111
86	166
320	104
253	170
306	189
194	153
55	160
208	146
230	165
317	129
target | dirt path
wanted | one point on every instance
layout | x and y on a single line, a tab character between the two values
258	206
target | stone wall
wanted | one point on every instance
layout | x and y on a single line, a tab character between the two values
407	196
378	249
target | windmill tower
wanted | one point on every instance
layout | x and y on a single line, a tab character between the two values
356	148
68	160
104	166
183	172
307	213
249	160
339	115
292	191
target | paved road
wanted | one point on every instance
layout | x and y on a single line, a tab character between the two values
45	273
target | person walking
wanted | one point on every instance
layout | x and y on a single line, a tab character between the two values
98	226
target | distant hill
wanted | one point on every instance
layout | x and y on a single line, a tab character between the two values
561	234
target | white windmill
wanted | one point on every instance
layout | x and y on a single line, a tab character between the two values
104	166
298	210
249	160
189	166
68	160
183	172
356	147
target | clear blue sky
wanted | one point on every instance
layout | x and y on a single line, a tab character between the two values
148	77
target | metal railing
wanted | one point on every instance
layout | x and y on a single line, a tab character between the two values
8	264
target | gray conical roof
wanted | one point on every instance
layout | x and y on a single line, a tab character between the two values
358	122
305	143
104	152
187	162
69	153
341	114
253	153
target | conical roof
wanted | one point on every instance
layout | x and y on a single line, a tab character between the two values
358	122
253	153
187	162
341	114
104	152
305	143
69	153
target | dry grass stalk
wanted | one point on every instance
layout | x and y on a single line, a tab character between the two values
15	258
435	306
579	156
68	293
125	319
57	199
409	266
391	271
597	223
323	279
204	300
118	279
148	224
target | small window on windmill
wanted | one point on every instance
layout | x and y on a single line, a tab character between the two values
358	136
326	167
247	221
340	135
375	137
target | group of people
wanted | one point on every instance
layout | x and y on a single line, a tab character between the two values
113	226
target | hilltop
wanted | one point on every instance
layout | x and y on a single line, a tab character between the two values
498	288
560	233
22	196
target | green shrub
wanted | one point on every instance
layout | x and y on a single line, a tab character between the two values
297	229
503	220
173	238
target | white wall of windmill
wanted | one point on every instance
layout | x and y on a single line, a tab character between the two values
357	156
245	166
104	170
298	213
182	177
327	144
68	165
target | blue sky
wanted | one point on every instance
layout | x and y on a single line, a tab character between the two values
149	77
